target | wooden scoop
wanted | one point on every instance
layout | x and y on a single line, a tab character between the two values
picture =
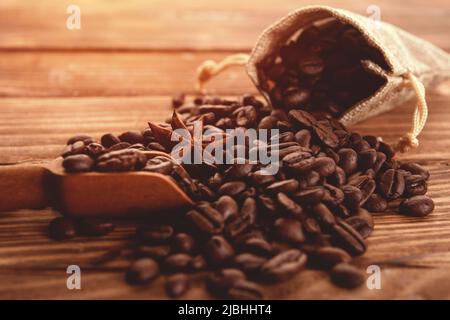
88	194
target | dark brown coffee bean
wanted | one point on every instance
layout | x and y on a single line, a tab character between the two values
142	271
160	165
352	196
415	169
386	149
177	284
257	246
417	206
244	290
286	186
232	188
132	137
338	178
348	160
289	230
156	252
78	163
391	184
303	137
227	206
108	140
219	281
347	238
94	227
218	251
363	223
347	276
295	98
367	158
373	141
154	233
333	196
62	228
83	138
249	262
121	160
302	118
183	242
310	196
324	166
415	185
291	208
198	263
323	214
327	257
311	226
311	64
206	218
177	262
376	203
284	265
94	150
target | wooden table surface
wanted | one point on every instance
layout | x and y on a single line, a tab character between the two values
119	70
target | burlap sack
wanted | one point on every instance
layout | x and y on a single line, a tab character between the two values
412	63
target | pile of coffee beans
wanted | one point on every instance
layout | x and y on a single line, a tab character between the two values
322	68
248	227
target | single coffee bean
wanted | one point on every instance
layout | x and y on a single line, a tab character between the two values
352	196
94	150
108	140
142	271
324	214
391	184
154	233
198	263
121	160
415	168
367	158
289	230
218	250
284	265
257	246
207	220
327	257
286	186
415	185
347	238
178	262
244	290
83	138
348	160
94	227
156	252
417	206
310	196
177	284
291	208
324	166
376	203
239	171
363	223
62	228
132	137
78	163
249	262
219	281
183	242
347	276
227	206
232	188
159	165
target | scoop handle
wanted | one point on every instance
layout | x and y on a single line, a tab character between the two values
22	187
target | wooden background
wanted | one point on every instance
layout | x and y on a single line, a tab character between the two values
119	71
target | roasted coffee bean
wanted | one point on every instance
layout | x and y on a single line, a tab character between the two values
257	246
244	290
415	169
227	206
286	186
417	206
132	137
327	257
94	227
83	138
198	263
333	195
373	141
347	276
121	160
177	284
363	223
94	150
156	252
183	242
391	184
347	238
218	251
239	171
386	149
262	178
295	98
376	203
348	160
289	230
78	163
154	233
291	208
178	262
352	196
303	138
249	208
249	262
310	196
118	146
338	178
160	165
311	226
284	265
324	166
142	271
62	228
415	185
219	281
108	140
367	158
206	218
324	214
232	188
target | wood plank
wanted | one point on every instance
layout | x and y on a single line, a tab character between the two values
179	24
36	74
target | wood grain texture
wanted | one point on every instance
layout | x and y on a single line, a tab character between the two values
119	71
180	24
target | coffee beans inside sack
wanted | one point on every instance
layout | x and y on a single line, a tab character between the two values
250	226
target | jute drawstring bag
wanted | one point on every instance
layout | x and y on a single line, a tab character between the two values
411	64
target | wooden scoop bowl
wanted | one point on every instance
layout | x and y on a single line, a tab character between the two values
88	194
